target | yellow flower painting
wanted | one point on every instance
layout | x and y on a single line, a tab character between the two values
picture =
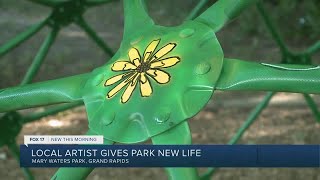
140	69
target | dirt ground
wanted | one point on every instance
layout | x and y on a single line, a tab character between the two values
287	120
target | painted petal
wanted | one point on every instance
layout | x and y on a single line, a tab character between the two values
134	56
150	49
145	87
164	63
122	66
136	62
114	79
164	50
116	89
160	76
129	90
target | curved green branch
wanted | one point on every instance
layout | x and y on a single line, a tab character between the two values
313	106
94	36
22	37
50	3
50	111
314	48
135	18
244	75
196	10
249	121
41	54
274	32
180	134
223	11
97	2
43	93
77	173
14	149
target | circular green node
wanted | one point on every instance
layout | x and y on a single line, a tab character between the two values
159	78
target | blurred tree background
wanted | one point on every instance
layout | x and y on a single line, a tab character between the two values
297	20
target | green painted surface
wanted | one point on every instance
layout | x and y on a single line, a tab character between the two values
159	77
190	85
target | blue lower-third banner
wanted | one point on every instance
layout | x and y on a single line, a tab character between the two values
170	155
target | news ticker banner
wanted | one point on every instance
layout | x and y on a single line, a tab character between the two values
56	139
40	155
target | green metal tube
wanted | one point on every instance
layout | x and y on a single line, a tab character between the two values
41	54
313	106
245	75
93	35
177	135
14	149
195	11
72	173
314	48
50	3
97	2
76	173
135	15
50	111
275	34
21	37
223	11
251	118
43	93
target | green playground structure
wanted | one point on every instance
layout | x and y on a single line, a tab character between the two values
158	79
